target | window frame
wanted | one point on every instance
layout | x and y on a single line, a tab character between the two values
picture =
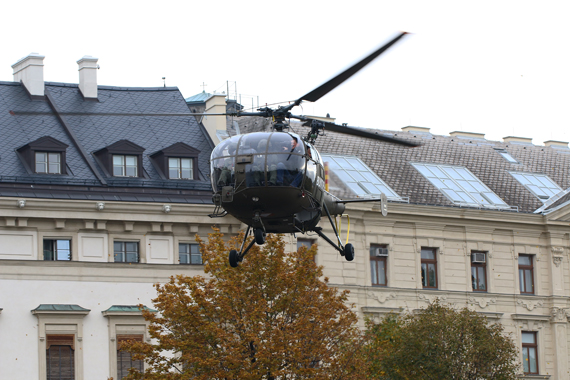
310	242
180	169
60	320
124	243
48	163
524	268
527	347
390	193
189	253
374	267
124	320
49	351
427	262
55	249
124	166
457	187
479	265
123	338
529	186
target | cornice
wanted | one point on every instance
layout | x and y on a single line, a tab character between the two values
498	217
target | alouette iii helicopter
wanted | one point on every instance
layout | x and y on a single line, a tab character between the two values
274	181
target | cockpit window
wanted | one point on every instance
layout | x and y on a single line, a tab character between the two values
249	144
226	147
286	143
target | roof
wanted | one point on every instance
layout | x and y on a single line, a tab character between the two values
393	164
60	308
199	98
126	308
121	113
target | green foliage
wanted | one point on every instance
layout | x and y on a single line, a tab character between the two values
440	342
270	318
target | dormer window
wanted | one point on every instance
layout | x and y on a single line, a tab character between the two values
121	159
178	161
125	166
45	155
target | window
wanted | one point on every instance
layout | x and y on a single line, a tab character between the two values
57	249
530	353
125	323
429	268
60	341
305	242
126	252
526	274
45	155
358	177
180	168
460	185
121	159
506	156
48	163
538	184
479	271
378	258
125	166
60	357
124	358
189	253
178	161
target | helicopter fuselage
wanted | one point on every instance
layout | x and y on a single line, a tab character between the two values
269	180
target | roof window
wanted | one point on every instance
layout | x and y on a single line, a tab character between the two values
506	156
358	177
460	185
538	184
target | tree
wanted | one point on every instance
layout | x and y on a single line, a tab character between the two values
270	318
439	342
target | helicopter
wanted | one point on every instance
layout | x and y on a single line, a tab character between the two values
274	181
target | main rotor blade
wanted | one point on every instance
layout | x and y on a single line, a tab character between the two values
41	113
325	88
362	133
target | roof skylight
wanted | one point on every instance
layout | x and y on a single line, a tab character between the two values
538	184
358	177
460	185
507	156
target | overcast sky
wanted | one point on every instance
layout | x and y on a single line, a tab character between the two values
496	67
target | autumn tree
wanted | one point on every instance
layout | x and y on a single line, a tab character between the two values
439	342
273	317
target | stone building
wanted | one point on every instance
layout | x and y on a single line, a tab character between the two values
102	190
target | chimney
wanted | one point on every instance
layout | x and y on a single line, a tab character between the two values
215	104
467	135
518	140
30	71
412	129
88	76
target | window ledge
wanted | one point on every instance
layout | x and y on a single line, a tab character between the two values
60	309
530	377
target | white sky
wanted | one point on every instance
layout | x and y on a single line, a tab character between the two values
496	67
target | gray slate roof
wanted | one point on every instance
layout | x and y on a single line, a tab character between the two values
32	119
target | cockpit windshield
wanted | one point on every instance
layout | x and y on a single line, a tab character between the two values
259	159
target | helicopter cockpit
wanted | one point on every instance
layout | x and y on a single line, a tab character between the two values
265	159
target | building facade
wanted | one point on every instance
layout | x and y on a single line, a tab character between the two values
103	189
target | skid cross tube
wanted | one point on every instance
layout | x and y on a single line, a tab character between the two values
242	253
339	247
